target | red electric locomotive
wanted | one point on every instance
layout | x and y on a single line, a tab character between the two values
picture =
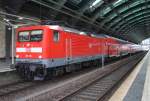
46	50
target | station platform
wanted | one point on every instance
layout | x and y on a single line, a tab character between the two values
136	87
5	66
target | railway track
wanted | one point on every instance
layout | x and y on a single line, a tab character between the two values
20	85
14	87
76	89
98	89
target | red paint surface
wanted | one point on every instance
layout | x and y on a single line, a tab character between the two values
80	45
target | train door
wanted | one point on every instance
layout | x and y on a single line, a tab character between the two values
68	48
105	48
108	48
57	44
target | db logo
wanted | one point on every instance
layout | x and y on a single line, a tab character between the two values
28	50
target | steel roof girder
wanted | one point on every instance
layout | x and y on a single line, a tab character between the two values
96	16
129	11
124	28
116	6
134	22
86	6
121	22
137	22
111	24
114	22
132	29
111	16
125	16
137	5
136	16
61	2
121	15
87	21
83	9
135	19
114	17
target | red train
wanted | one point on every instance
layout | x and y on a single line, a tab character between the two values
43	51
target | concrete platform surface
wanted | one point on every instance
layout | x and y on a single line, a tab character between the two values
5	65
136	86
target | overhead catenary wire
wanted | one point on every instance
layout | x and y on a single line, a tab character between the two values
17	16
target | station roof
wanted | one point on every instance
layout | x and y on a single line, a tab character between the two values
126	19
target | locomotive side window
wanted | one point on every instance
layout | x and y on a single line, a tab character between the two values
36	35
23	36
56	36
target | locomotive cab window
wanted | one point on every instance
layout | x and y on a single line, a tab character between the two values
23	36
36	35
56	36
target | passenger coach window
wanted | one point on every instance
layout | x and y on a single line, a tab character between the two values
56	36
23	36
36	35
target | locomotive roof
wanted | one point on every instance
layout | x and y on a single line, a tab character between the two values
92	34
122	41
67	29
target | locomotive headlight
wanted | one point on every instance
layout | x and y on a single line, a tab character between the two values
40	56
17	56
30	55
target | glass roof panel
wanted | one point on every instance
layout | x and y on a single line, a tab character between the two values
75	1
118	2
106	10
134	16
123	9
112	16
96	3
131	12
116	21
134	4
136	10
